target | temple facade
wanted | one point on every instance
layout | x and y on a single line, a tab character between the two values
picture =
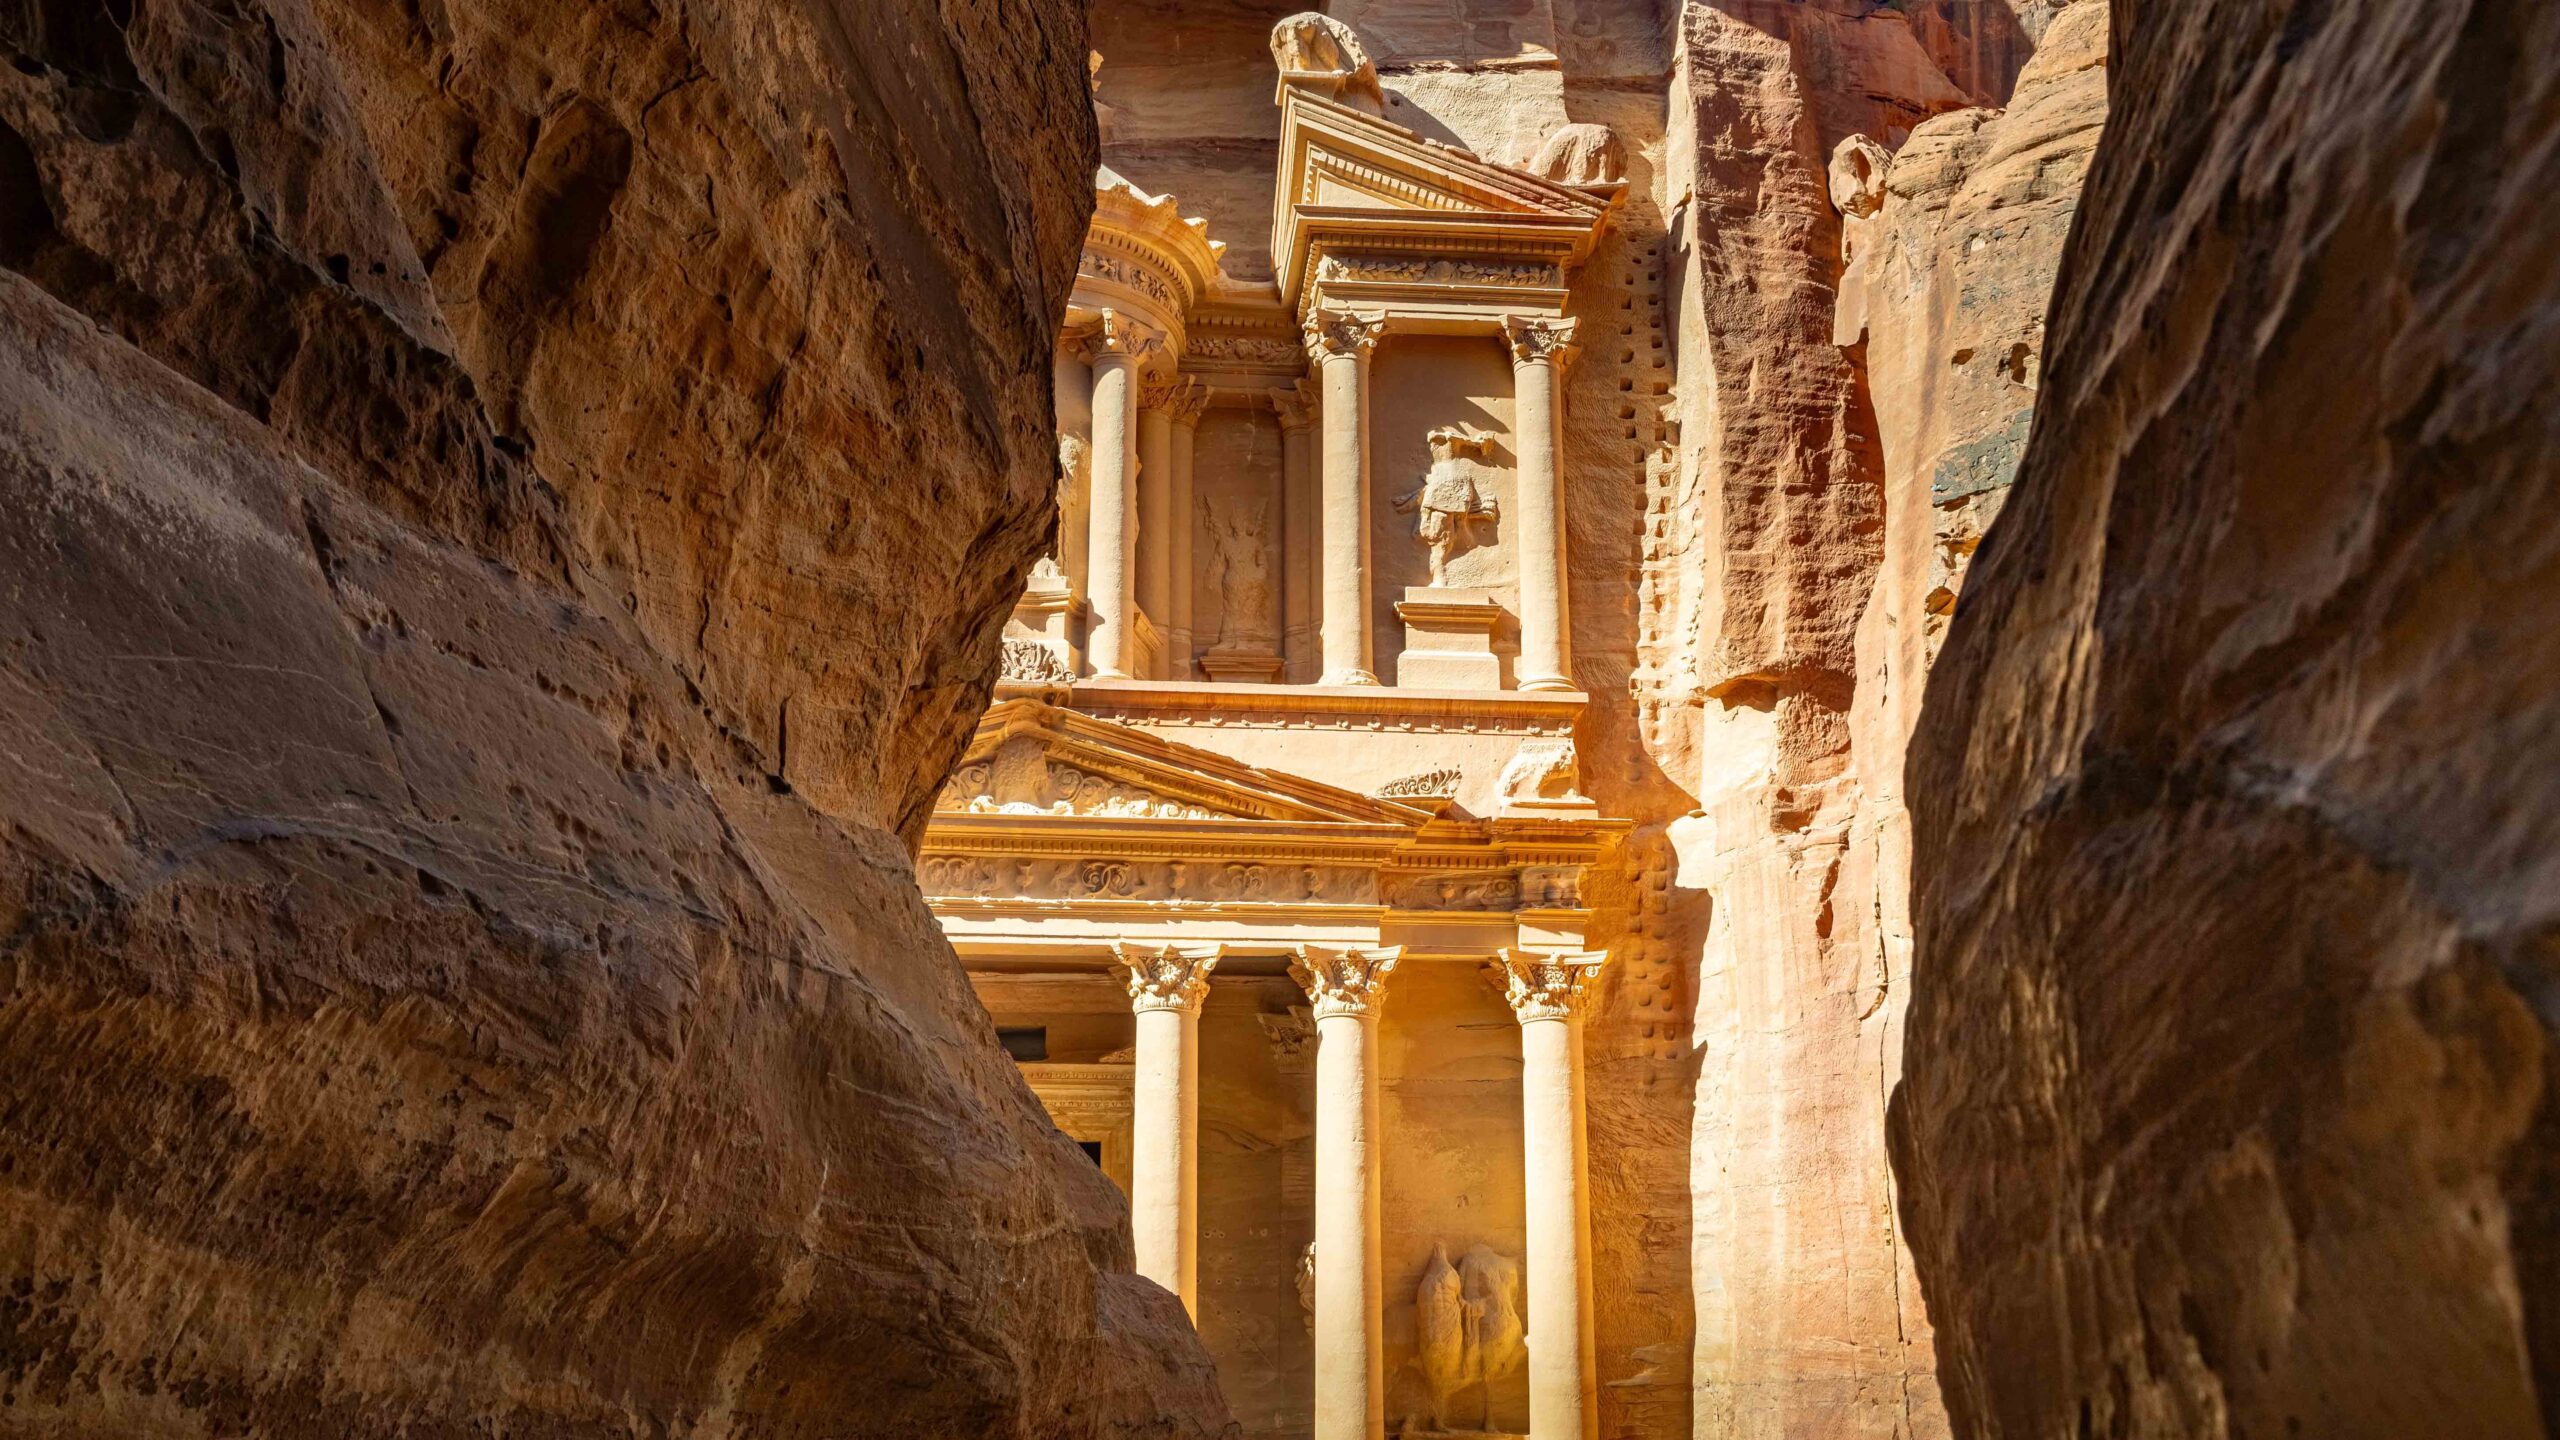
1272	861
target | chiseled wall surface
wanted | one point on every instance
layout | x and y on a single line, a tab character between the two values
1755	559
496	561
2227	1102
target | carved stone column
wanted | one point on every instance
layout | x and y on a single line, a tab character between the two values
1297	409
1540	350
1545	991
1340	343
1346	986
1184	519
1117	347
1167	984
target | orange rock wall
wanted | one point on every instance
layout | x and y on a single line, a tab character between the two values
2225	1107
493	567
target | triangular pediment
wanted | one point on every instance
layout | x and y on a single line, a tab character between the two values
1031	758
1332	154
1352	176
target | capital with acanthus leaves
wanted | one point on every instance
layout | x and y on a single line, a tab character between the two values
1533	339
1167	977
1347	980
1342	332
1115	335
1544	984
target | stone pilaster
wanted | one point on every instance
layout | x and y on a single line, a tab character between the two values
1187	405
1300	515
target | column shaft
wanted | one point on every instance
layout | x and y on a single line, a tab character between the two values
1560	1341
1351	1393
1341	343
1167	985
1155	516
1545	990
1539	351
1164	1132
1111	531
1350	1342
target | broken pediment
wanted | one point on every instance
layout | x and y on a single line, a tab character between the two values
1032	758
1363	191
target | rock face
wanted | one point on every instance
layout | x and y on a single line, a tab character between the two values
491	573
1865	262
2224	1109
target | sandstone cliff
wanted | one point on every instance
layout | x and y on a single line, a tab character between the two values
2225	1108
492	566
1845	340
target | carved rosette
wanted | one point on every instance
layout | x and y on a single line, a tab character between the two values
1167	977
1342	332
1344	980
1117	336
1544	984
1534	341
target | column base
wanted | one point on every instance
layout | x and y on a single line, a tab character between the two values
1348	677
1545	682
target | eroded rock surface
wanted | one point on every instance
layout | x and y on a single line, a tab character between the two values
2224	1108
485	591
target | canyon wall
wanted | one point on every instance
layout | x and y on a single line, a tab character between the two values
1860	284
2225	1109
494	567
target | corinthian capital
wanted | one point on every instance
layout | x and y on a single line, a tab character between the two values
1296	407
1342	332
1167	977
1535	339
1344	981
1544	984
1181	397
1118	335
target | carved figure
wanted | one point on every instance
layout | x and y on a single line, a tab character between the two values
1444	1326
1448	498
1858	169
1307	1283
1240	566
1545	768
1499	1342
1308	43
1581	154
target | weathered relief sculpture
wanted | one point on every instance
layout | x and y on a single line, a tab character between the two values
1312	47
1581	154
1448	501
1240	568
1467	1332
1857	174
1543	774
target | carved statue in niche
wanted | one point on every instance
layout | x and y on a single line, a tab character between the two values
1240	566
1467	1331
1448	500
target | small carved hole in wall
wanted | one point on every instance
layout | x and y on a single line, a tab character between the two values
2021	365
1961	356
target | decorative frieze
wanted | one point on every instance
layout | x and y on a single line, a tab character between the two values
1167	977
1344	981
1430	784
1440	270
998	877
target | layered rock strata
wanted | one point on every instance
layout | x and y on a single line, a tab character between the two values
2225	1109
494	564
